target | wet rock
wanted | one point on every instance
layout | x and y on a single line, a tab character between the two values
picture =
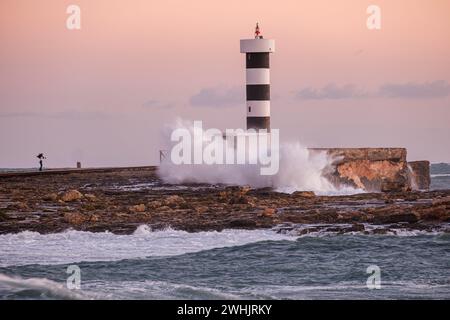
173	201
88	207
50	197
71	195
164	209
441	201
137	208
238	200
309	230
237	190
3	215
155	204
395	218
235	195
435	213
201	209
75	218
241	223
356	227
411	197
244	190
90	197
21	206
185	205
303	194
269	212
121	215
380	231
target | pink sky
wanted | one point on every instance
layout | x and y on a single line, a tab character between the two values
102	94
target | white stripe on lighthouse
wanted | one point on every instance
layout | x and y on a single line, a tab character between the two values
258	76
258	108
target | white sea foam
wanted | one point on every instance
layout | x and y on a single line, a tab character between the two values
320	230
72	246
76	246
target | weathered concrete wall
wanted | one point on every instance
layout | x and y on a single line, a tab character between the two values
419	174
371	169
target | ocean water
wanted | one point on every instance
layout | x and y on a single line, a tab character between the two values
233	264
440	176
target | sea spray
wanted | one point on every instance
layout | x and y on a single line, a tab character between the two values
299	169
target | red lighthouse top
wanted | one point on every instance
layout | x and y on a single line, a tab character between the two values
257	31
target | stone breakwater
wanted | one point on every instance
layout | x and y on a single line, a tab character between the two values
119	200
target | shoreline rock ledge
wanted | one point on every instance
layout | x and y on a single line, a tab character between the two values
120	200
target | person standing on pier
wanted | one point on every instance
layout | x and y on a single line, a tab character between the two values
41	157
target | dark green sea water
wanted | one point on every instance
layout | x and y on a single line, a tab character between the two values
319	267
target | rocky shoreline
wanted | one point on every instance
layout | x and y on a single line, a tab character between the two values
120	200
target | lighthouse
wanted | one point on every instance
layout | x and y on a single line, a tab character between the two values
257	63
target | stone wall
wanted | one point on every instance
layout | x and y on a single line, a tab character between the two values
419	172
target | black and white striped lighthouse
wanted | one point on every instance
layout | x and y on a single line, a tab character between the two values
257	52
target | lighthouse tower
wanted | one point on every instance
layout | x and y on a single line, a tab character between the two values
257	52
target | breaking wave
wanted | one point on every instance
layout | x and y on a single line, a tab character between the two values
300	169
72	246
33	288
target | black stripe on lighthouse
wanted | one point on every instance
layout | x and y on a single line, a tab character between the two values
258	123
258	92
257	60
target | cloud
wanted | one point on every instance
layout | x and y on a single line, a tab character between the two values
157	104
331	91
435	89
67	115
218	97
20	114
411	90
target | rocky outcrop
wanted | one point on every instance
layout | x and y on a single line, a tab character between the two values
376	169
71	195
75	218
370	169
137	208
